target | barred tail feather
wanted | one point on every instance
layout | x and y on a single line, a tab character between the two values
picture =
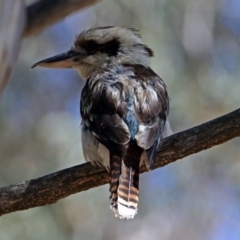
124	181
128	192
115	172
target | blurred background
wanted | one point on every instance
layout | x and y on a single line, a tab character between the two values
197	53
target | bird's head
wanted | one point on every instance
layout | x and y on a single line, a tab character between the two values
97	47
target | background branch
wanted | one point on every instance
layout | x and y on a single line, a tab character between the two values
46	12
12	25
16	22
50	188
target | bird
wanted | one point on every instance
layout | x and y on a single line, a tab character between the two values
124	107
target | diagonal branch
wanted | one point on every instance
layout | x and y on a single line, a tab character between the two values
12	25
50	188
46	12
16	21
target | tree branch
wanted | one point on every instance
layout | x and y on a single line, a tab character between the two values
50	188
46	12
12	25
39	16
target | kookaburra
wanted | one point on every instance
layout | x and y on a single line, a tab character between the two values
124	107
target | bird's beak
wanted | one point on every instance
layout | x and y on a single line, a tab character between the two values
64	60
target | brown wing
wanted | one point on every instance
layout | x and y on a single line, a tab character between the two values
103	105
151	110
124	103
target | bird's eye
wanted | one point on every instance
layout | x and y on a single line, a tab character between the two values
91	45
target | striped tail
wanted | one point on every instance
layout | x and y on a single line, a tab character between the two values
115	172
128	192
124	182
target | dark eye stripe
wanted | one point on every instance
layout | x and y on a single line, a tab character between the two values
92	45
110	48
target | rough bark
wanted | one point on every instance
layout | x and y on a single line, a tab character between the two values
50	188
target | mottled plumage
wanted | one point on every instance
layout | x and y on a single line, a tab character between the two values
124	107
